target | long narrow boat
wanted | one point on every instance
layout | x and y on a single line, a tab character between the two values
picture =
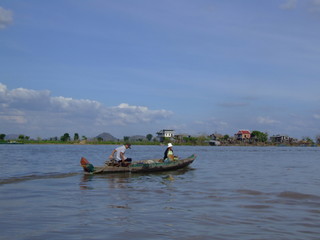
152	165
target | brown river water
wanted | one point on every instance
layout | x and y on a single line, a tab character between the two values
228	193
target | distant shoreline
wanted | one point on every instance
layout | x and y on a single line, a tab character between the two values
161	144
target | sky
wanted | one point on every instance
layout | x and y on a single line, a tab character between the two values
137	67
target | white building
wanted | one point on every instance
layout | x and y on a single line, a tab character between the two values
165	133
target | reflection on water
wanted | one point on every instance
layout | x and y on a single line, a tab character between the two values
125	180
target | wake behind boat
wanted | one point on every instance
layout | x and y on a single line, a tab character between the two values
152	165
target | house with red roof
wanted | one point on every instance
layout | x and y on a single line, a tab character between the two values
242	135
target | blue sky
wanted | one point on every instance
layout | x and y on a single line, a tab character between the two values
136	67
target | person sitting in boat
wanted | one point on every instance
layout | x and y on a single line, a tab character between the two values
168	154
118	154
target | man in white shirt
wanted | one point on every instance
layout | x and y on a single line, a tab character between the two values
119	155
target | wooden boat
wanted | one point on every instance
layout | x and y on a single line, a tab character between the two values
152	165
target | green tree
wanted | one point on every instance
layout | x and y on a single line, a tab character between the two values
190	140
308	140
259	136
201	140
76	137
149	136
226	137
65	137
21	137
2	136
126	138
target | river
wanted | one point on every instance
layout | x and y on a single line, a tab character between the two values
228	193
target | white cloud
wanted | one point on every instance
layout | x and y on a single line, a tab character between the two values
13	116
134	114
208	126
6	17
266	120
26	99
316	116
32	109
315	6
289	4
75	106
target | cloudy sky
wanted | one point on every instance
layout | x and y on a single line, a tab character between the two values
136	67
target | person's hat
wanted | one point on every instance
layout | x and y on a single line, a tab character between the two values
170	145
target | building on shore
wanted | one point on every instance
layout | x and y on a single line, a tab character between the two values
165	134
282	139
242	135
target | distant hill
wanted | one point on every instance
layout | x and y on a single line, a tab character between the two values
107	137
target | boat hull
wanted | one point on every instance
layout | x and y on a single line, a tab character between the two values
154	165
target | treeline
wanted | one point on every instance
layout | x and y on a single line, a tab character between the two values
24	139
257	139
76	139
